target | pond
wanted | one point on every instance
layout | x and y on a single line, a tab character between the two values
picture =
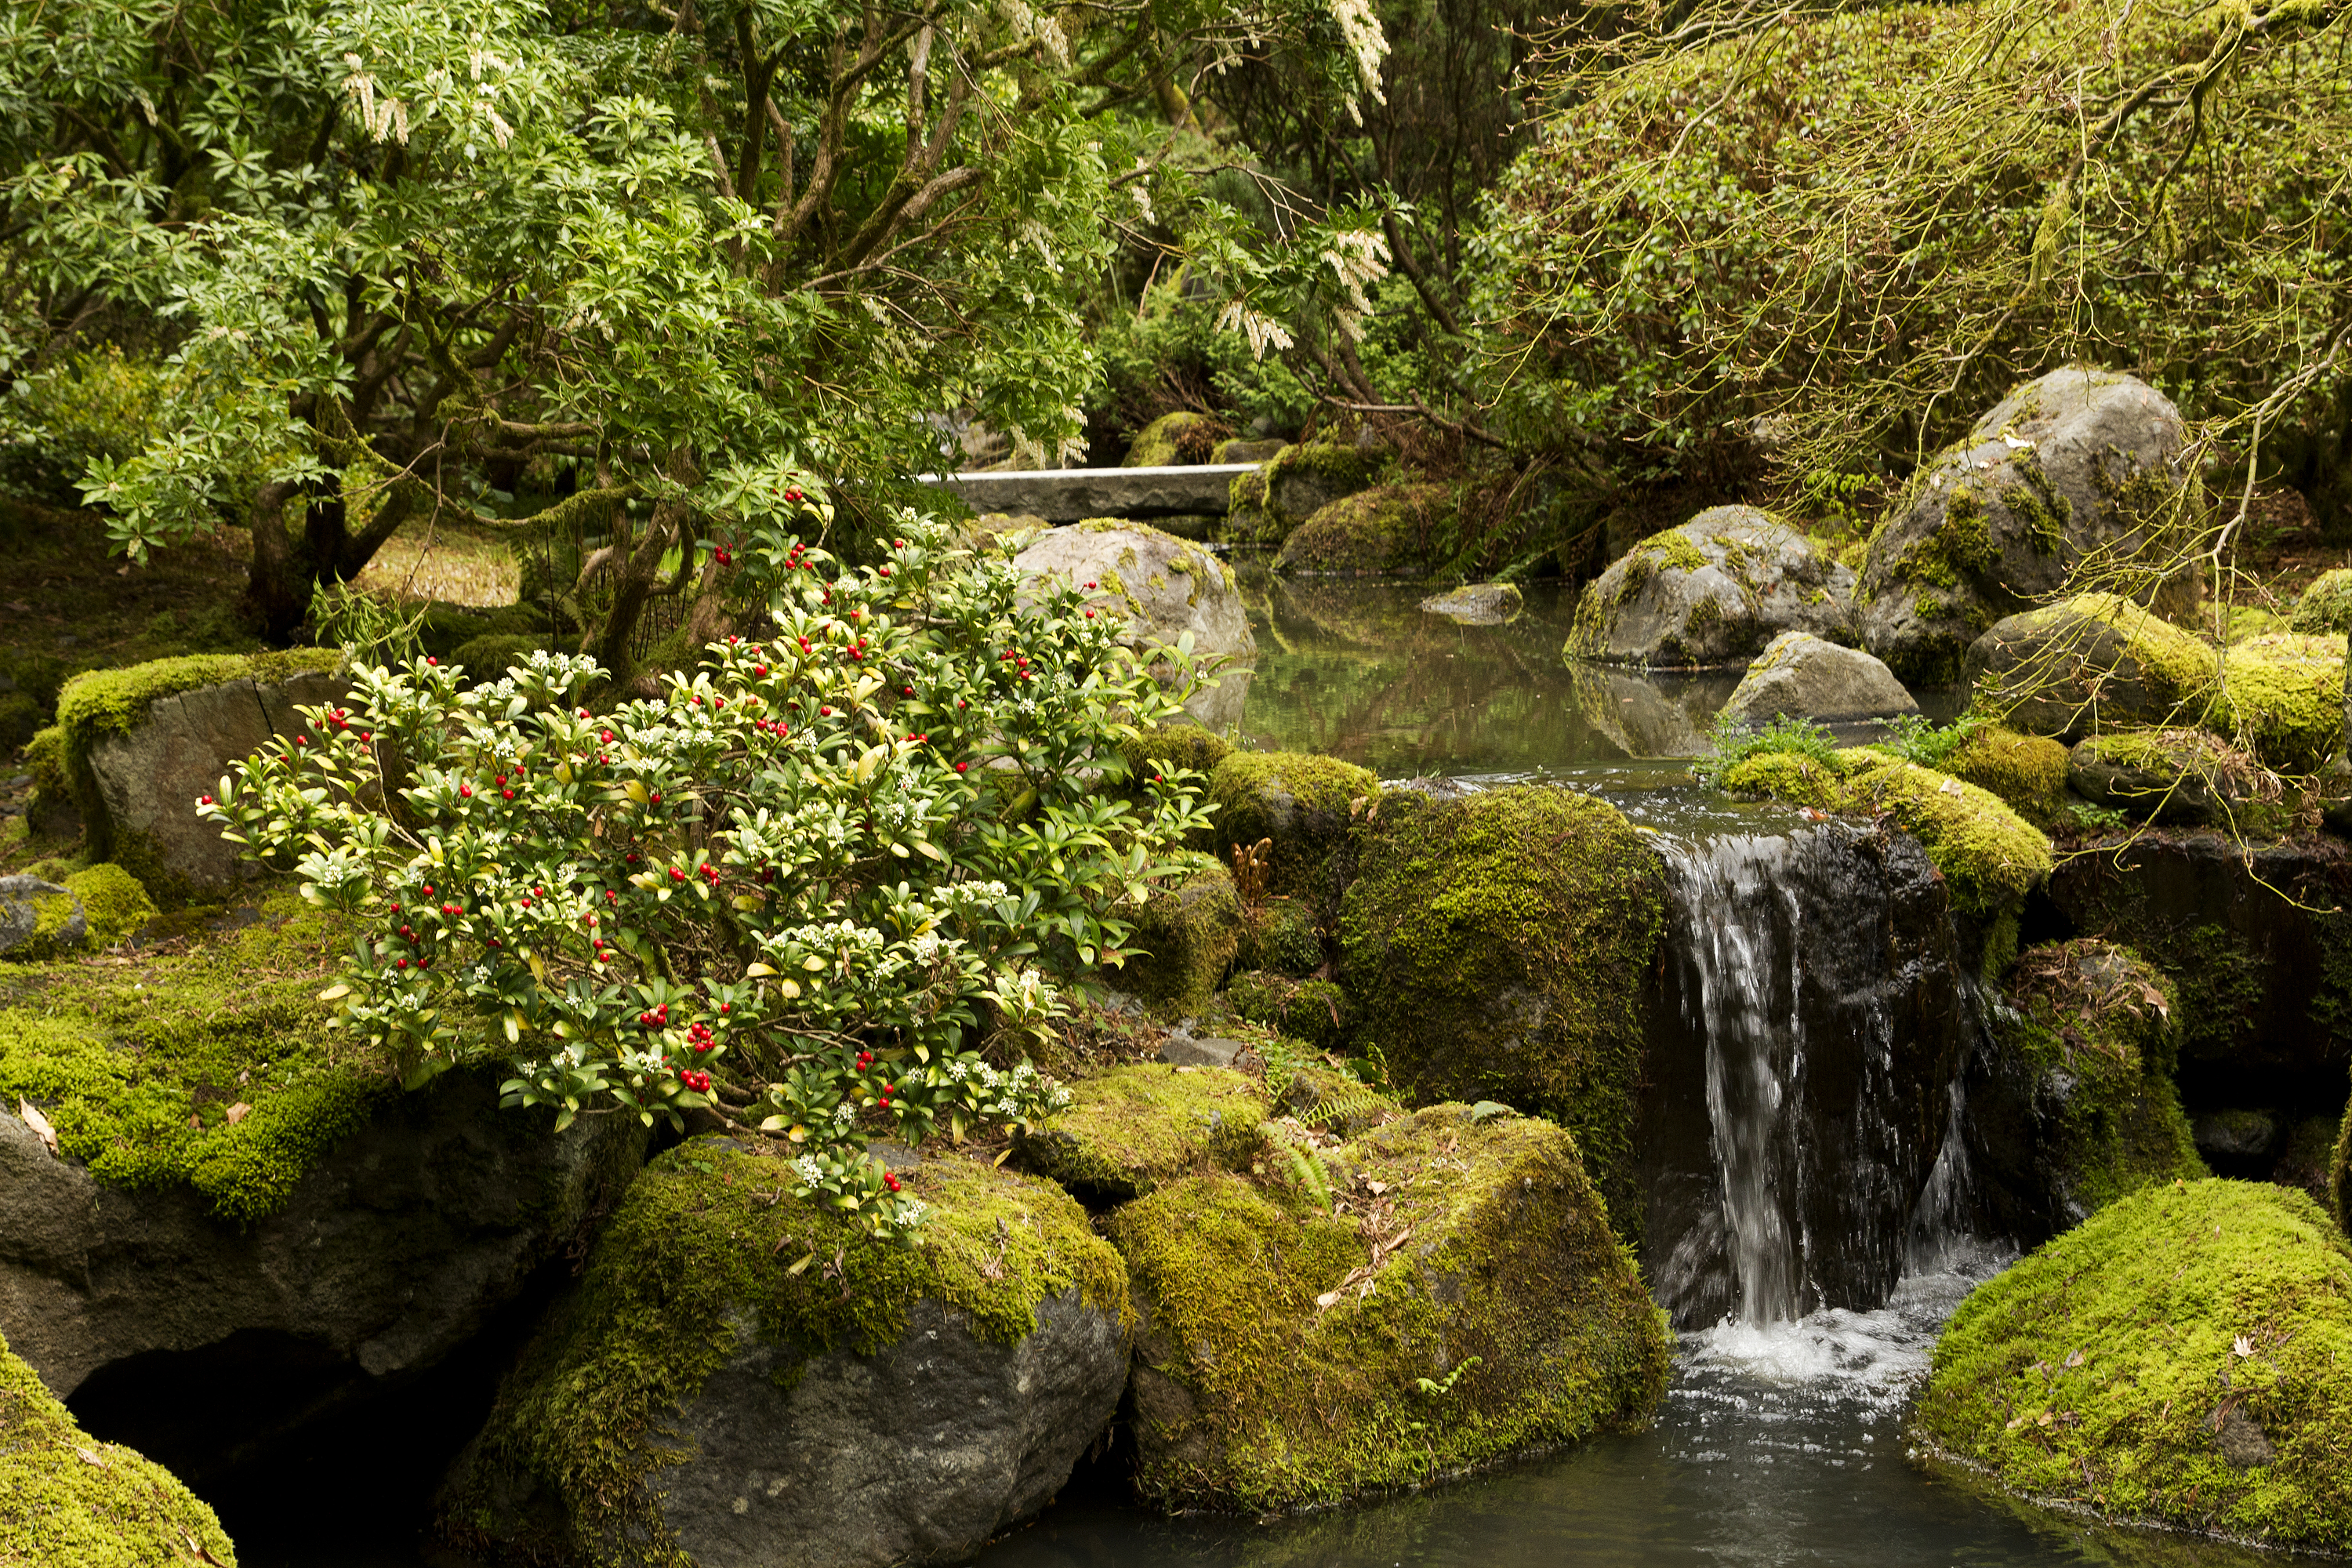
1778	1444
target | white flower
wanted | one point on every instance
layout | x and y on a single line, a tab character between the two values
810	1174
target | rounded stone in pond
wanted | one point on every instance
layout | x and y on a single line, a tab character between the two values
1712	592
1801	676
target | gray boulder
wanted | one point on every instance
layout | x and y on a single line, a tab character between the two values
1476	604
1263	507
392	1250
148	773
897	1406
35	915
1801	676
1162	585
1711	592
2077	465
2179	777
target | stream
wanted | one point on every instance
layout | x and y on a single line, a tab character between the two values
1782	1437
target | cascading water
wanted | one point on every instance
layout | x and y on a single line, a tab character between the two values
1817	1008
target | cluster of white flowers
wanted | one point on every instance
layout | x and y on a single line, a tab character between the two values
1360	26
810	1174
964	898
1357	258
927	948
912	1211
1260	330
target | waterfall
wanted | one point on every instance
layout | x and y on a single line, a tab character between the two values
1817	1009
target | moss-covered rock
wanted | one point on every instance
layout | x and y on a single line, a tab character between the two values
1316	1012
1131	1130
1183	437
1161	588
2028	771
1303	802
114	904
1391	531
2188	777
1185	746
1989	855
2086	1103
1471	1305
2183	1357
2339	1174
1185	937
738	1366
490	656
2093	662
2282	697
1280	935
1266	506
1715	591
2324	608
67	1500
1496	945
1328	1100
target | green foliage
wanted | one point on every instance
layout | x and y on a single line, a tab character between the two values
65	1498
708	1252
796	890
1862	226
2123	1365
113	903
94	407
1287	1343
1495	947
1730	742
139	1068
1916	738
1168	354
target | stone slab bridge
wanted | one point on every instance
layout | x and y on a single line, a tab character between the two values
1067	495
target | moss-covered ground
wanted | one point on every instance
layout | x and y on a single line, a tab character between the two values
1445	1293
69	1501
1131	1129
1185	936
2027	771
1497	947
2183	1357
708	1237
207	1061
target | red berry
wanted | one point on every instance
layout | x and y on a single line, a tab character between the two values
962	767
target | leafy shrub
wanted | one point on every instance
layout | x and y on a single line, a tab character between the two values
1916	738
1730	743
796	890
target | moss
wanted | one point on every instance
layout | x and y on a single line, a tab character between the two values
1329	1101
2092	1023
1134	1129
1989	855
101	702
1496	945
1185	746
488	657
707	1248
2074	651
1280	935
139	1067
2036	503
2027	771
1184	940
66	1499
1301	800
1384	531
113	903
2284	695
1183	437
2181	775
2182	1357
44	758
1512	1321
2325	606
1959	549
1314	1011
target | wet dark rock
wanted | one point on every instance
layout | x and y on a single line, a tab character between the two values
35	913
2232	1135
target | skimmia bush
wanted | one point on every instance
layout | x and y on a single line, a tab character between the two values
802	889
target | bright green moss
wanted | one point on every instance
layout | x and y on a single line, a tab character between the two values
1183	437
68	1501
101	702
113	903
1133	1129
2084	656
44	758
2339	1174
1184	940
138	1067
1303	802
1512	1321
1496	946
1389	530
2183	1357
701	1252
1185	746
1989	855
2027	771
2180	776
2093	1022
2285	695
2326	607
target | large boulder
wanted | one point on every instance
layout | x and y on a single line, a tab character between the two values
1468	1291
2183	1357
2092	662
2081	466
1799	676
1264	506
743	1379
1495	944
2074	1107
1304	803
68	1501
1131	1130
1185	936
2177	777
1714	591
1174	439
143	742
1389	531
1161	586
2282	696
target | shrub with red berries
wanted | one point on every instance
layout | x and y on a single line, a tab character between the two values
824	887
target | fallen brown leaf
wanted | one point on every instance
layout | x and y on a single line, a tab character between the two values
90	1456
39	1124
238	1112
